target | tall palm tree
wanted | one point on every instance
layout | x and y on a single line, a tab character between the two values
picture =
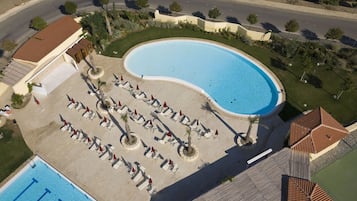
251	121
130	138
95	69
189	142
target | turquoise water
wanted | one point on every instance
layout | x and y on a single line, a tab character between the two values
234	82
38	181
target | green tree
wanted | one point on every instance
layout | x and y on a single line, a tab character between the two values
8	45
346	85
252	18
130	139
214	13
292	26
142	3
70	7
38	23
175	7
334	33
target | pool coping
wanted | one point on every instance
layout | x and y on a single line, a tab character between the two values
275	80
27	164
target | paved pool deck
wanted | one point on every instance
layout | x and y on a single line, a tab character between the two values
40	125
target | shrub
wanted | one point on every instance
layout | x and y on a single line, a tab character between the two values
142	3
214	13
176	7
334	33
292	26
70	7
38	23
252	18
17	100
8	45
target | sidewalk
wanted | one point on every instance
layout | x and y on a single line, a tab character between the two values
297	8
6	11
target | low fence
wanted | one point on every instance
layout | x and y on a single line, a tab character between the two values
210	26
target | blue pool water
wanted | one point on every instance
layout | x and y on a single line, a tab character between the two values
234	82
39	181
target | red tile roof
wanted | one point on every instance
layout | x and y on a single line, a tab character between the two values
305	190
315	131
46	40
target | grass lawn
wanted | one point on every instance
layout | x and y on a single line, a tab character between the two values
13	149
298	93
339	179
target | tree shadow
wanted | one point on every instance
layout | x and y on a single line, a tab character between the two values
199	14
309	34
116	123
97	3
232	20
131	4
62	9
289	112
206	106
348	41
314	80
278	63
268	26
1	52
163	10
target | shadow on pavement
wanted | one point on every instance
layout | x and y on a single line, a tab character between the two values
268	26
199	14
348	41
232	20
309	35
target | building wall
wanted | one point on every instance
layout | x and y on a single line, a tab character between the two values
214	26
314	156
21	86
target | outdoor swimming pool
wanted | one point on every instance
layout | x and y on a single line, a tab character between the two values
39	181
234	82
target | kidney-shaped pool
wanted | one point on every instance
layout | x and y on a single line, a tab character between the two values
234	82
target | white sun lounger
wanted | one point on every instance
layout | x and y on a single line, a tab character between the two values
126	85
105	154
140	95
185	120
71	105
79	106
195	123
167	111
151	189
118	163
92	115
139	120
66	127
144	184
123	110
86	114
165	165
175	116
174	168
149	101
148	124
208	133
156	103
150	154
137	176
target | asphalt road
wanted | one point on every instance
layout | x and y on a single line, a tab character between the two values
16	27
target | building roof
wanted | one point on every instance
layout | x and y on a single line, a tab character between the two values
263	181
14	72
46	40
315	131
305	190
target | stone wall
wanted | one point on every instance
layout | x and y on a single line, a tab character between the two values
210	26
